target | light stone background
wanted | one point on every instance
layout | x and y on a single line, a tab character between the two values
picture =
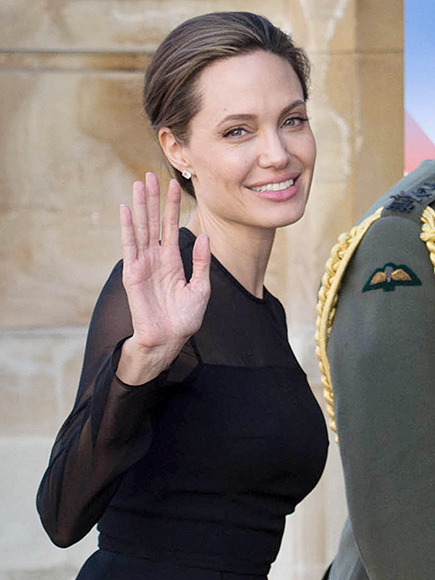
73	138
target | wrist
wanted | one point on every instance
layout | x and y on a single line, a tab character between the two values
139	364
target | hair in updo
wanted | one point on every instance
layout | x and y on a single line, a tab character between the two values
170	96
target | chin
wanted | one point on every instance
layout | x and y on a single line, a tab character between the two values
284	218
286	223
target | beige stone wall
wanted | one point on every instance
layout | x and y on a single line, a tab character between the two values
72	140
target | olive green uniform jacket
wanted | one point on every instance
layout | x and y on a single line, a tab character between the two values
377	301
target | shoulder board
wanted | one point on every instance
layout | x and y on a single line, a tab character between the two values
424	174
411	203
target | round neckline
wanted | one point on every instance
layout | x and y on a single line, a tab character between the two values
228	274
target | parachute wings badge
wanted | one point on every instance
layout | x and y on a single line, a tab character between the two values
390	276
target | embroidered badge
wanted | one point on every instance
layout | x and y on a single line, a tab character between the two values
406	200
390	276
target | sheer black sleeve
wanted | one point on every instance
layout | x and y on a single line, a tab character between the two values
109	427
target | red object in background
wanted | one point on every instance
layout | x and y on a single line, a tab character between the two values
418	146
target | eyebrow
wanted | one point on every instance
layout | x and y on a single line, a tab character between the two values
248	116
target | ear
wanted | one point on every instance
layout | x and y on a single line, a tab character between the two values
173	149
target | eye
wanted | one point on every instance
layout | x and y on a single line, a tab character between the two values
235	132
295	121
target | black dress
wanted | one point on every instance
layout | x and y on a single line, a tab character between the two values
198	468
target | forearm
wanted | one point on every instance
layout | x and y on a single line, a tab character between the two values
102	438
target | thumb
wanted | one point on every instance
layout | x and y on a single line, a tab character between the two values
201	258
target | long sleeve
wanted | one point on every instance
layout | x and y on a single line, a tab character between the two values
108	430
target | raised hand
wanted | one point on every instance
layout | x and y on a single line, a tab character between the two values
166	309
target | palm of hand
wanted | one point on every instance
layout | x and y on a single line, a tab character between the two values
165	308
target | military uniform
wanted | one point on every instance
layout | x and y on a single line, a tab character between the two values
376	346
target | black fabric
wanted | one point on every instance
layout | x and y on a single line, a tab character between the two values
110	566
200	466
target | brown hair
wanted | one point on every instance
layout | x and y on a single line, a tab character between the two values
170	98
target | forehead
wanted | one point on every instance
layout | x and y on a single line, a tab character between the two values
250	80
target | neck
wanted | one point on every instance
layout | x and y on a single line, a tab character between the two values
243	250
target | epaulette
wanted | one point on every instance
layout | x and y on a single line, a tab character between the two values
413	204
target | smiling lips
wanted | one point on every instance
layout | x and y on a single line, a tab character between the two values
274	186
277	191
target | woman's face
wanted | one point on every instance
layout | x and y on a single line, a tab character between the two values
251	151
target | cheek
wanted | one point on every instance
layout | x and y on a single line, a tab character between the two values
311	149
304	149
240	161
229	168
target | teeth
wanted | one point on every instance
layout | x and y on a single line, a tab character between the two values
274	186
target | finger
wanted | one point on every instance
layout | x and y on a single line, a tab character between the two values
153	207
128	240
201	259
171	217
140	221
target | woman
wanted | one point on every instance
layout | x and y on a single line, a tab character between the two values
194	431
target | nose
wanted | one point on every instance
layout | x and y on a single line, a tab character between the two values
273	151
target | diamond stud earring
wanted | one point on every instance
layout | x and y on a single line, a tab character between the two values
186	174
